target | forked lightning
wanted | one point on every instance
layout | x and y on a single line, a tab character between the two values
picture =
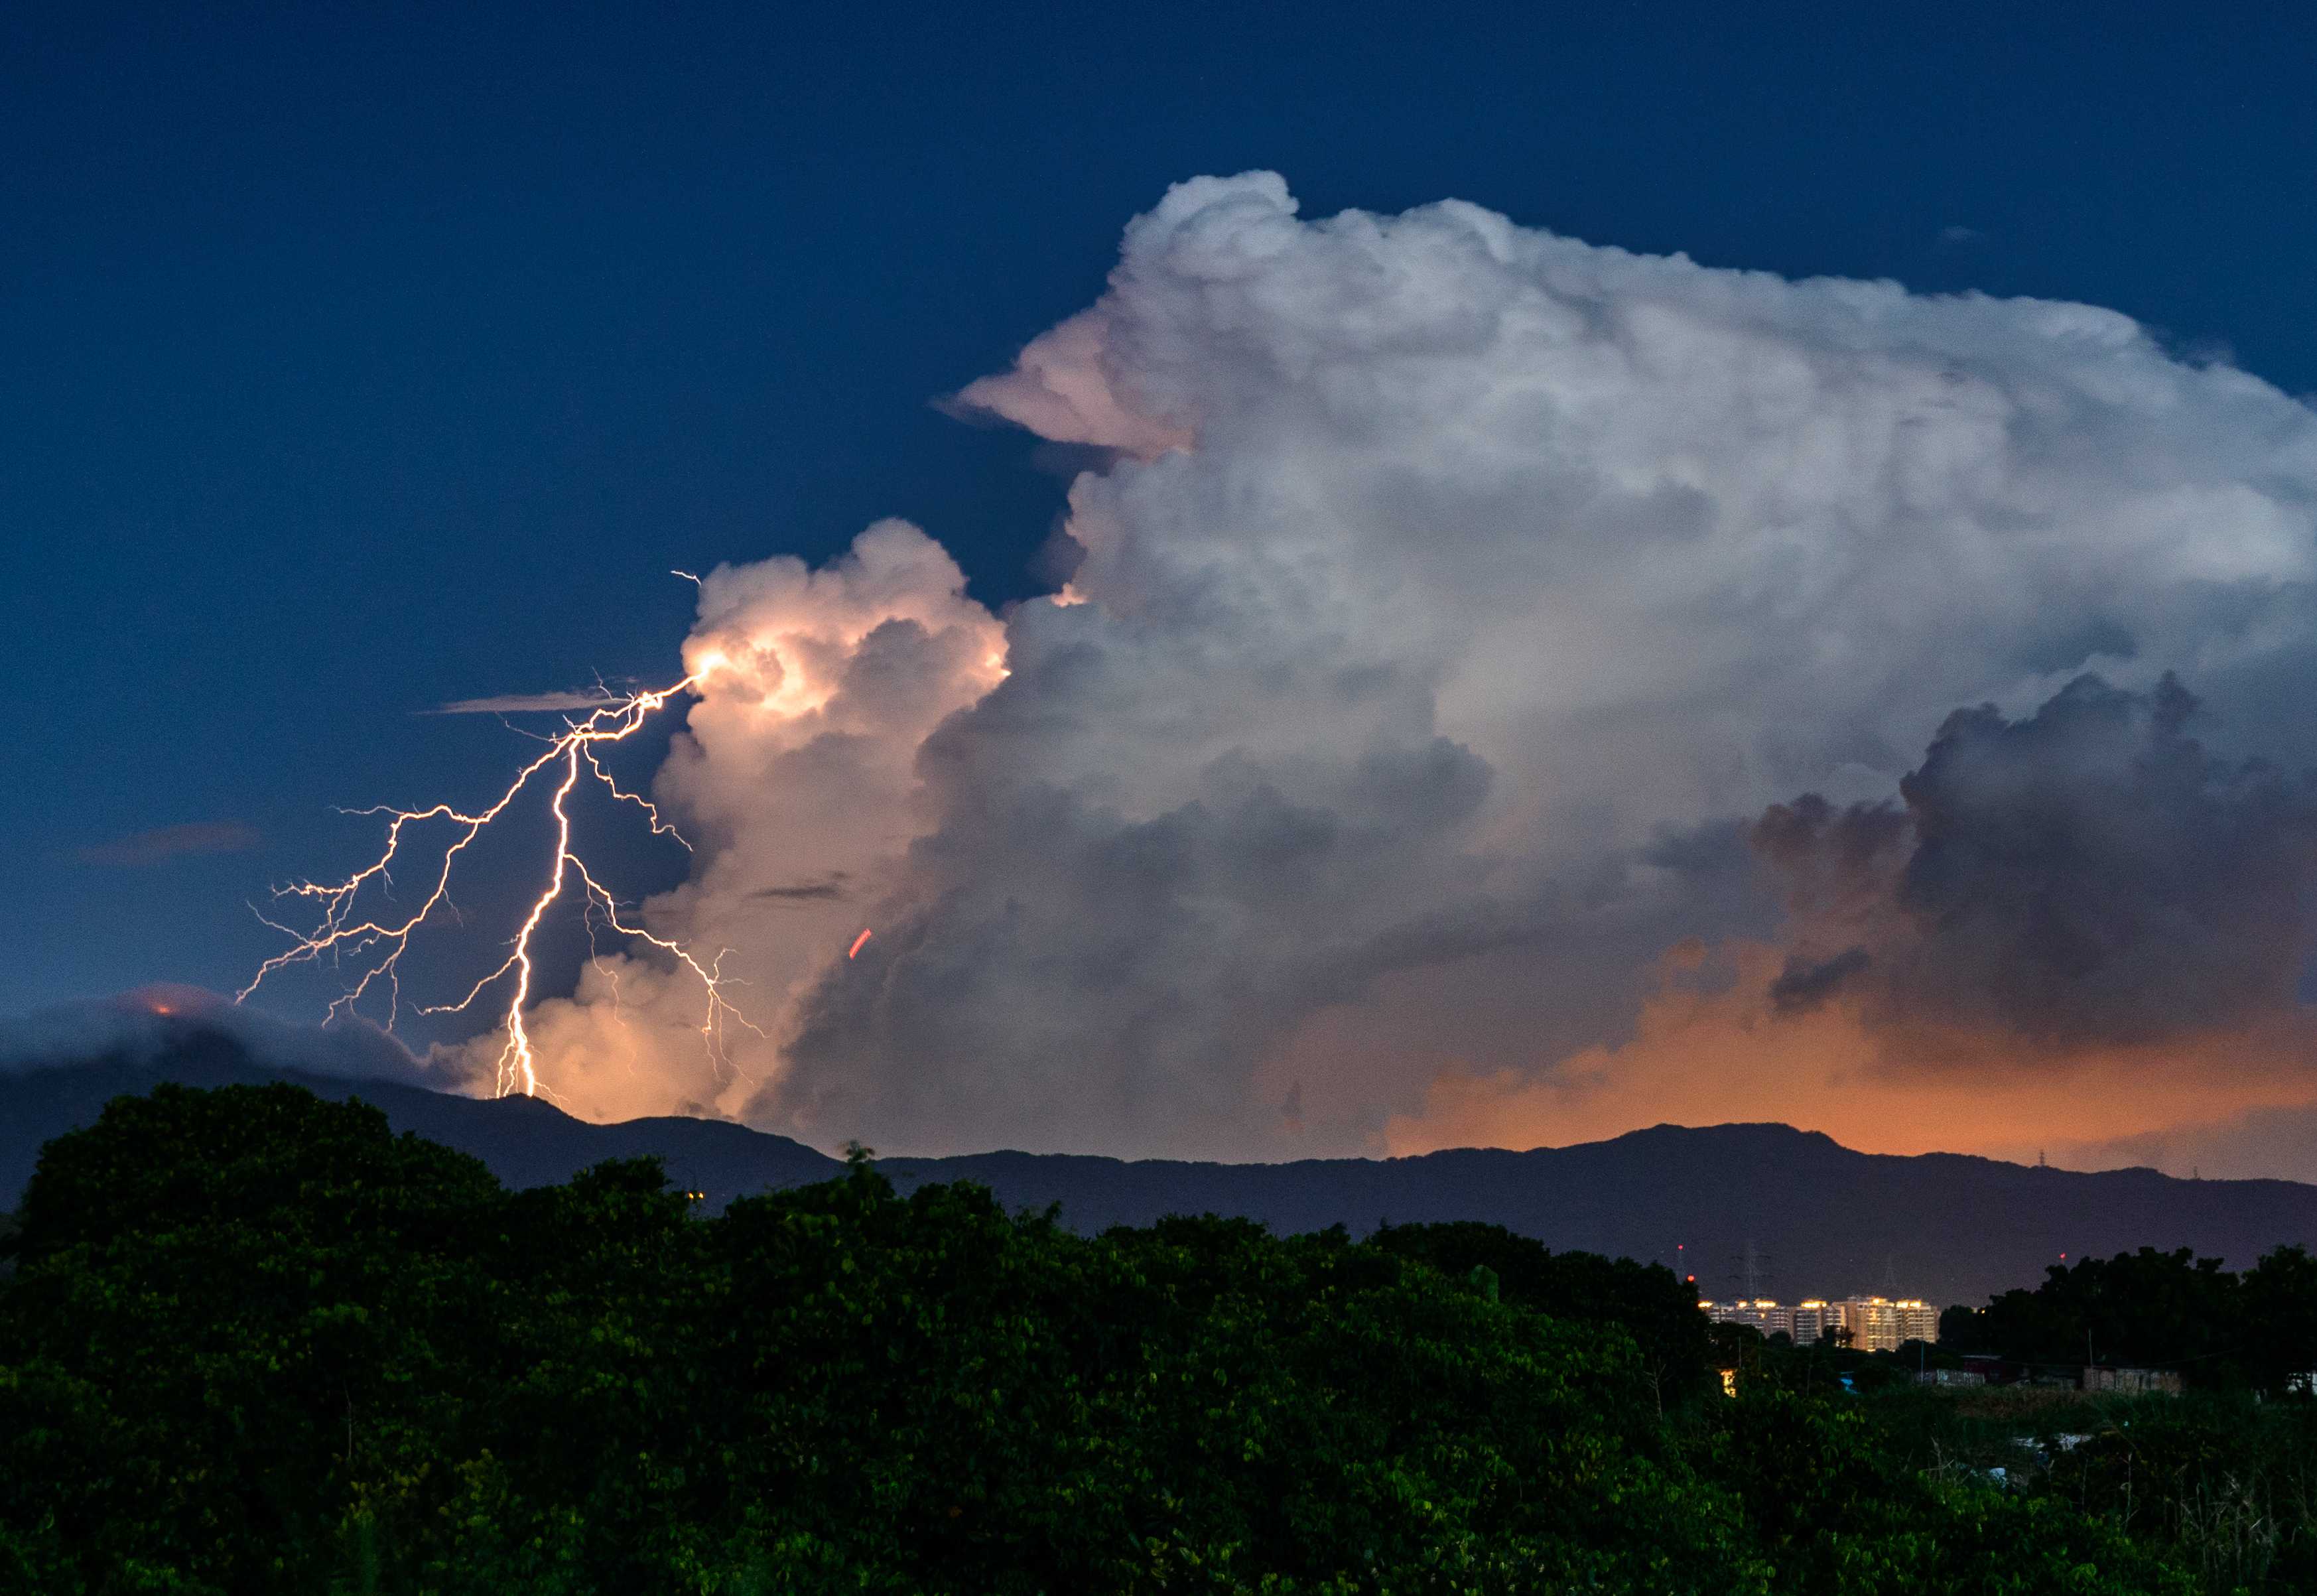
375	944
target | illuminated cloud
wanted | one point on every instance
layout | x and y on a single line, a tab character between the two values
1453	598
796	783
1066	387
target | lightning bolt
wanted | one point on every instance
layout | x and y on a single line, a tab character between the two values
374	943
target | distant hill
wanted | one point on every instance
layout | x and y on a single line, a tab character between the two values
526	1141
1825	1221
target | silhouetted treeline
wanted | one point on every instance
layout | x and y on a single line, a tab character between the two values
2255	1331
1647	1302
256	1343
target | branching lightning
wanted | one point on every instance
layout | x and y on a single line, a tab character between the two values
375	943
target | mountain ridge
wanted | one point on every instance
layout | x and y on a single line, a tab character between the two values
1820	1218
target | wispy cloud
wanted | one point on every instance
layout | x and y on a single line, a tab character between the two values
521	704
170	842
827	891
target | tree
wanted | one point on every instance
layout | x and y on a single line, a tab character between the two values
1960	1329
258	1344
2277	1305
1648	1301
2146	1308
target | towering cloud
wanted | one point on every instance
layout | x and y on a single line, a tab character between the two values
795	785
1454	601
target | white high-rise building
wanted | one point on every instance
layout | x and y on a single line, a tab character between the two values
1760	1313
1884	1324
1874	1324
1814	1320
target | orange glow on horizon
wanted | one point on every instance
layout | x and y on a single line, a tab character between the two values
1708	1058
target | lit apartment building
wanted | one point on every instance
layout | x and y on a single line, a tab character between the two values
1814	1320
1876	1323
1883	1324
1803	1321
1760	1313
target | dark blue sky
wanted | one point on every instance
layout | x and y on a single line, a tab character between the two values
352	363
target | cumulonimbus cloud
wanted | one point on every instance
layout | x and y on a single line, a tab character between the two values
1452	598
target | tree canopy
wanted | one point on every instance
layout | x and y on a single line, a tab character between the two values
2255	1329
255	1342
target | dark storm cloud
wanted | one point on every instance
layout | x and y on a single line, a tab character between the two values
828	890
1805	983
143	1024
1072	971
1191	940
2087	874
2259	1143
1834	863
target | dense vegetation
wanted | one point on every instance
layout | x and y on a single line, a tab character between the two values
2250	1331
2221	1484
255	1342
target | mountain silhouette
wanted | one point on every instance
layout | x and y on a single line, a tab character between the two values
1822	1219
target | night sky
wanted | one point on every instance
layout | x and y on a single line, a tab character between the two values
357	363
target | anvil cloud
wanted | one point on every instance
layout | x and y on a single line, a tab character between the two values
1453	603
